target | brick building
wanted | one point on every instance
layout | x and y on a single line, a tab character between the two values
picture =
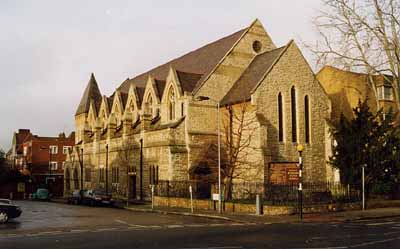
346	88
15	155
44	158
154	125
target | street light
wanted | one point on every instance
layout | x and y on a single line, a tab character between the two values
106	169
300	149
203	98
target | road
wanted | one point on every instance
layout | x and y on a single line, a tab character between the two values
51	225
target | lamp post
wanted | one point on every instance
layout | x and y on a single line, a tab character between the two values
202	98
81	164
300	149
107	169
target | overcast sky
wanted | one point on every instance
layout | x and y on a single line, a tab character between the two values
49	48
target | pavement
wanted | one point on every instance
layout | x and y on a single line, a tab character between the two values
375	213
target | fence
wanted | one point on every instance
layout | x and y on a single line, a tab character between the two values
201	190
272	194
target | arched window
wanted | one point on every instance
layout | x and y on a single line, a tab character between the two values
307	119
294	121
76	180
280	118
132	110
150	104
171	103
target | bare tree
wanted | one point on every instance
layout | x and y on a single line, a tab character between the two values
363	36
239	132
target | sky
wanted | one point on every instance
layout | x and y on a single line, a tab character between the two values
48	49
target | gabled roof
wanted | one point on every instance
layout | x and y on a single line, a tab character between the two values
92	91
188	80
160	84
201	61
254	73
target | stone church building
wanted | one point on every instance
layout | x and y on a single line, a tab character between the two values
162	124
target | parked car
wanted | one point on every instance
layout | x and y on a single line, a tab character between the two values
42	194
76	197
97	197
8	210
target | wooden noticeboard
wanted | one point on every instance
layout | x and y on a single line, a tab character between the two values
283	173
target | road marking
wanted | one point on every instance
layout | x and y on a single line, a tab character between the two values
217	225
381	223
374	242
137	226
354	246
218	247
175	226
120	221
194	225
106	229
155	227
79	231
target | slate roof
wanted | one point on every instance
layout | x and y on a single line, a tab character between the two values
160	84
92	91
259	66
200	61
188	80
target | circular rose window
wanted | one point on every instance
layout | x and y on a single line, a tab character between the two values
257	46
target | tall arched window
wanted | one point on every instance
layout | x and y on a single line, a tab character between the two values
132	110
171	103
280	118
307	119
150	104
294	118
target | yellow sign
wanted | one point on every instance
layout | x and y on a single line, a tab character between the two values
21	187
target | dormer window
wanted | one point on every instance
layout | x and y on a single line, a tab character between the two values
171	103
385	93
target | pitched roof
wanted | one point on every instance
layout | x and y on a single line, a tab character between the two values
242	88
200	61
188	80
92	92
160	84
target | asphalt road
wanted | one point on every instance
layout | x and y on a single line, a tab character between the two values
113	228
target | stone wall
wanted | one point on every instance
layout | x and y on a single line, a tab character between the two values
292	70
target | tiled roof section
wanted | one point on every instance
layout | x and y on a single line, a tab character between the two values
160	84
140	92
110	101
188	80
92	91
200	61
241	90
124	98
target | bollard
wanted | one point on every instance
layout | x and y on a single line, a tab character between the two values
259	210
24	196
11	196
191	198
